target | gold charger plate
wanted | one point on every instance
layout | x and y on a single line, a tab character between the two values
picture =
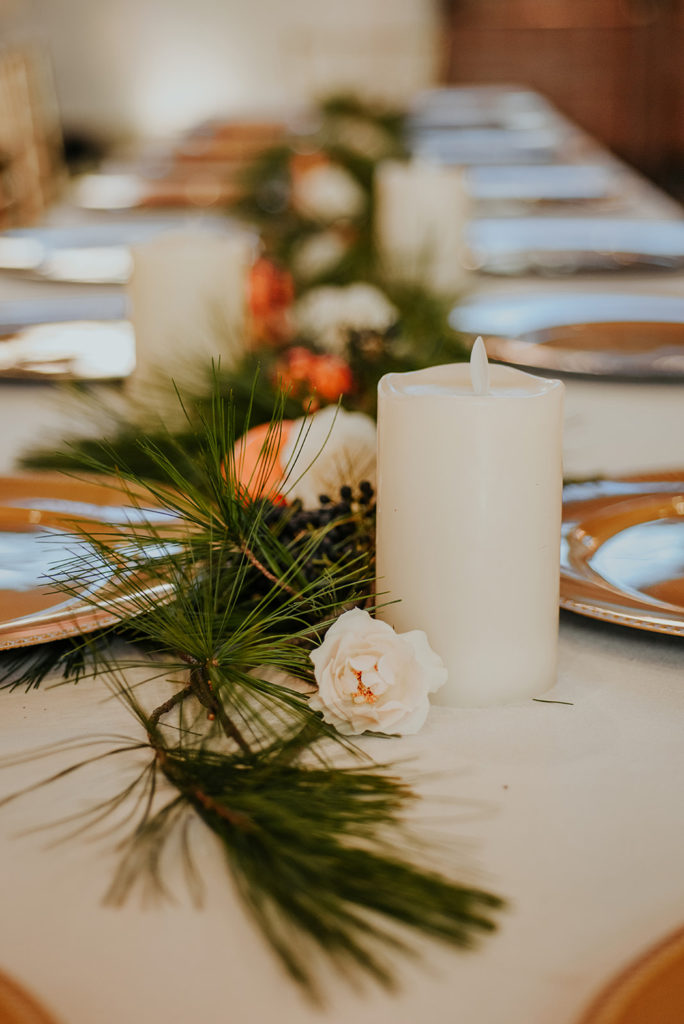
40	519
18	1007
649	991
586	333
81	337
622	551
616	348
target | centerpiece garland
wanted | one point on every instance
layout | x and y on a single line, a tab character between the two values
268	576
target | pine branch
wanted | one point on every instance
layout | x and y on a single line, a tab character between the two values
70	658
307	850
247	584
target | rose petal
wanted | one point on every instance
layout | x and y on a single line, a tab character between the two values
430	662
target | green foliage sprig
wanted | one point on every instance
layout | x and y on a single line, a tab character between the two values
267	194
311	843
421	337
309	830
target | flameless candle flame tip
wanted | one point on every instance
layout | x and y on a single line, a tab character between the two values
479	367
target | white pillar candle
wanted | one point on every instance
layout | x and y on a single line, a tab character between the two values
469	510
421	215
188	295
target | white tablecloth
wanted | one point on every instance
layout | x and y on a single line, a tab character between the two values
572	812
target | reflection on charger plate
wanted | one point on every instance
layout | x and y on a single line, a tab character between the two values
622	551
76	350
45	522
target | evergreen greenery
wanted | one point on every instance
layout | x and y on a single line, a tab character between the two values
312	834
227	598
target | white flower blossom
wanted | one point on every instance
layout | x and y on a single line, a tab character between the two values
328	193
327	314
326	451
319	253
373	679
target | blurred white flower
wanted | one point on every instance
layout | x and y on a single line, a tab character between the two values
328	450
328	313
319	253
373	679
327	193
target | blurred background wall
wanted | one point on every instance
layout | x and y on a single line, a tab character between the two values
128	68
152	67
615	66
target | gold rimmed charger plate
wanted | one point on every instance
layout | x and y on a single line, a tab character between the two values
649	991
628	336
18	1007
638	349
44	520
622	551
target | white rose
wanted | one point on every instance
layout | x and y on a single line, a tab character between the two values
326	451
329	312
328	193
373	679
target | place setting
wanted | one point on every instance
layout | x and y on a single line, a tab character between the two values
602	334
510	188
66	339
565	245
91	253
299	530
481	106
44	521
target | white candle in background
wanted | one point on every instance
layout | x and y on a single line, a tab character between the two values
421	215
188	294
469	509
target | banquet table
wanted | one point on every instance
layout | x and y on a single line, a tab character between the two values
571	811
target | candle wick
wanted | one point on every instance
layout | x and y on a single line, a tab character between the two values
479	367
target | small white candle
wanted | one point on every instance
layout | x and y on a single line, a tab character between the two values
469	510
188	295
421	213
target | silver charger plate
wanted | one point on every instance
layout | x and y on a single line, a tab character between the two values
566	245
589	333
78	339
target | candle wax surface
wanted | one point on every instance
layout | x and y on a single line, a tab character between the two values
434	389
454	380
